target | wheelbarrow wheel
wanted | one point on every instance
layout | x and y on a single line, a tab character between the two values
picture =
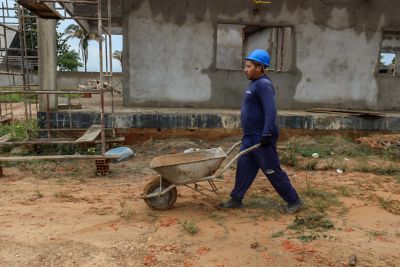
163	202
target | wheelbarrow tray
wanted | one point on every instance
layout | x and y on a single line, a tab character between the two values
186	167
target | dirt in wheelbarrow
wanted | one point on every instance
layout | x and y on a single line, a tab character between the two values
62	214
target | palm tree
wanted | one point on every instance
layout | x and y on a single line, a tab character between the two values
75	31
118	56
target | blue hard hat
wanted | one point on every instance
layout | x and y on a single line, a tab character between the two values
259	56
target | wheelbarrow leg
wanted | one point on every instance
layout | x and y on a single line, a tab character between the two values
212	184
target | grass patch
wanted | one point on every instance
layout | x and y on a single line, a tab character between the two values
126	213
316	221
343	190
308	226
389	169
289	159
17	129
328	164
319	199
72	96
190	227
216	217
62	195
327	146
376	234
311	165
393	206
38	194
14	98
278	234
309	237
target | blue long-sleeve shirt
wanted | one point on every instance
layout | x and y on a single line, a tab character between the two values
258	112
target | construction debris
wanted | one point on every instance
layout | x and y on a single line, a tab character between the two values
348	112
383	141
94	84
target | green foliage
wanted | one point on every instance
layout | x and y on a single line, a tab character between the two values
69	61
316	221
375	234
311	165
308	237
278	234
38	194
190	227
14	98
327	146
10	98
17	129
290	156
319	199
344	191
393	206
118	56
75	31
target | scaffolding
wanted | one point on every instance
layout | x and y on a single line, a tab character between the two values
19	61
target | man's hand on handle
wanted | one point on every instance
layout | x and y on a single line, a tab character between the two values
266	140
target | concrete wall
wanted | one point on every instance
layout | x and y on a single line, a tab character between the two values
72	79
170	52
65	80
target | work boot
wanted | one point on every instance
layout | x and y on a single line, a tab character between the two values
231	204
293	208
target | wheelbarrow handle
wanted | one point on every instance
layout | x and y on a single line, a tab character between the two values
233	147
236	157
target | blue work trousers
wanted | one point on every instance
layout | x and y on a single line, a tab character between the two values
266	159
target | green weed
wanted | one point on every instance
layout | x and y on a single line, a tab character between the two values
393	206
14	98
308	238
311	165
38	194
126	213
190	227
316	221
17	129
375	234
343	190
320	199
290	159
328	164
278	234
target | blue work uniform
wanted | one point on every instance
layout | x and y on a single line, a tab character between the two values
258	118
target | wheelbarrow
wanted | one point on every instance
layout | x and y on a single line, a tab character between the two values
187	169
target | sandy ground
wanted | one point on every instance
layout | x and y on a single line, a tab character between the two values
63	215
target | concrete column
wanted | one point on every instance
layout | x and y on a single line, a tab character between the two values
47	52
397	64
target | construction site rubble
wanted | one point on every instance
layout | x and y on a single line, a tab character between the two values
93	84
382	141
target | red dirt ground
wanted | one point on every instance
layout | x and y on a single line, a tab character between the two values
62	215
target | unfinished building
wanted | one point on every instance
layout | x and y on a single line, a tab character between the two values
189	55
325	53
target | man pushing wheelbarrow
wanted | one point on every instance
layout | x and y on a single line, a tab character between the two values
258	151
258	121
